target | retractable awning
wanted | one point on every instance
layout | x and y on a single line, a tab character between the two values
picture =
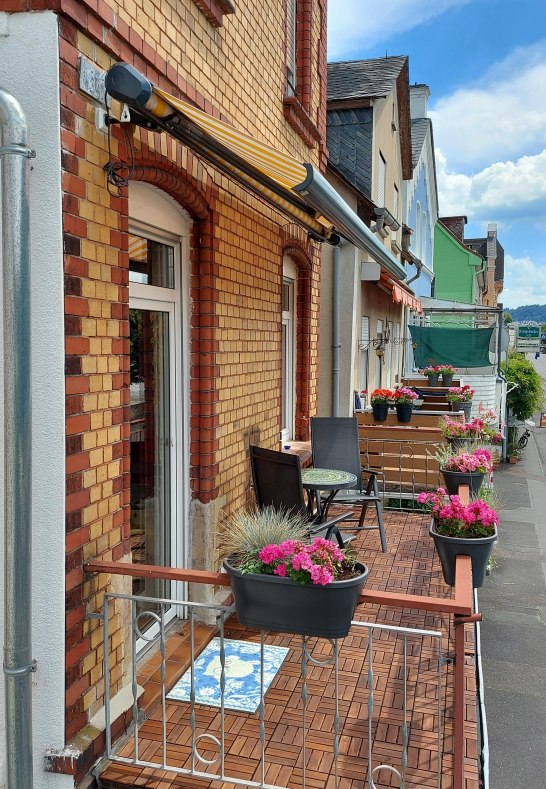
401	294
295	188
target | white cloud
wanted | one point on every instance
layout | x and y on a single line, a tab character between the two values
502	116
524	281
506	191
357	25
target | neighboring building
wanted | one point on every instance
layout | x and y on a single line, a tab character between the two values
421	201
421	195
460	273
490	250
175	315
370	156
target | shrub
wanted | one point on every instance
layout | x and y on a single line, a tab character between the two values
528	396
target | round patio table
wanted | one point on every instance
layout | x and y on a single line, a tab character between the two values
315	480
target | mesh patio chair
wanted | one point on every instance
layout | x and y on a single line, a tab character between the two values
277	483
335	445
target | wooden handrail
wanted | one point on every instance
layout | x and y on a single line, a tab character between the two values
460	604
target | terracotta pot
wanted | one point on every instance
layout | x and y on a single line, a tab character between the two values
268	602
513	459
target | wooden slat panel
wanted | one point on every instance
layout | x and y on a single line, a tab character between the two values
425	435
381	447
421	418
393	462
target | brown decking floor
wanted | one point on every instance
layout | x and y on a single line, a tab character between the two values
409	566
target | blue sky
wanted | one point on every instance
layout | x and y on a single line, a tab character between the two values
485	63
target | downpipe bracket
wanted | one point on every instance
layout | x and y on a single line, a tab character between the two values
20	150
21	671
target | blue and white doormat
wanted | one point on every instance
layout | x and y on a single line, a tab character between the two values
242	672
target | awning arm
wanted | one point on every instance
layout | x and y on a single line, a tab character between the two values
323	197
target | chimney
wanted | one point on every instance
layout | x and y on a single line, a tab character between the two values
419	95
455	224
492	241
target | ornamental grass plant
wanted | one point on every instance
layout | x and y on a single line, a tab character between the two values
247	532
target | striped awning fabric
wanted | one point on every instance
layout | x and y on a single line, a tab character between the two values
401	294
295	188
138	248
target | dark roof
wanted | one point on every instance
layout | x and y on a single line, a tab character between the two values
419	128
479	245
349	139
362	79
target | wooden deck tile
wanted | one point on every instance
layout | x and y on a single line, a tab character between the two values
410	567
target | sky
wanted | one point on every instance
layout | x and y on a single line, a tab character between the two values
485	64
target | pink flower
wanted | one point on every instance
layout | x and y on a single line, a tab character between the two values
280	570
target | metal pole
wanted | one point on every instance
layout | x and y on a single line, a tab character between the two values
335	330
18	663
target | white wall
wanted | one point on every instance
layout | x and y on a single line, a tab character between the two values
29	70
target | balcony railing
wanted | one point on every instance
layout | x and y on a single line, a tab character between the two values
205	755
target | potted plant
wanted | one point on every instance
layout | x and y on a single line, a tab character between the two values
403	399
447	372
460	397
461	529
380	400
470	435
291	585
433	374
464	468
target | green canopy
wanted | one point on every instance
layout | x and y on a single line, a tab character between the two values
459	346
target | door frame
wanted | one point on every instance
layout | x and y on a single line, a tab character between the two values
155	298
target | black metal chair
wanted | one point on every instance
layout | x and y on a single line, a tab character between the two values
277	483
335	444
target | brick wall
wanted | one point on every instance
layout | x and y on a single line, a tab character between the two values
192	49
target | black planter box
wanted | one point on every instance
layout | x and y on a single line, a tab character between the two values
448	548
267	602
455	478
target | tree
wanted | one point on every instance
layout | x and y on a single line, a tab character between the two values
507	318
527	398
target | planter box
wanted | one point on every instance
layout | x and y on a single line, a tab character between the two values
267	602
448	548
455	478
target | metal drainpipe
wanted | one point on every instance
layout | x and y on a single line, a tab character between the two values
18	663
335	330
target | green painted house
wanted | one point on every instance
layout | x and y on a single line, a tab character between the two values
460	273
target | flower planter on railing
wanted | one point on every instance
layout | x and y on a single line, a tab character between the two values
453	479
268	602
448	548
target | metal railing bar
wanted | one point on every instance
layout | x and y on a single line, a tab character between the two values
199	774
163	688
134	677
107	681
396	629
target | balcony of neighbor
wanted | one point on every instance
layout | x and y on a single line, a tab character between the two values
392	704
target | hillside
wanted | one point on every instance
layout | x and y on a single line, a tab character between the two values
530	312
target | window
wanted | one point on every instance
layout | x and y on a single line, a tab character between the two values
378	362
364	339
288	349
417	245
395	205
423	236
291	66
381	177
388	350
397	354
